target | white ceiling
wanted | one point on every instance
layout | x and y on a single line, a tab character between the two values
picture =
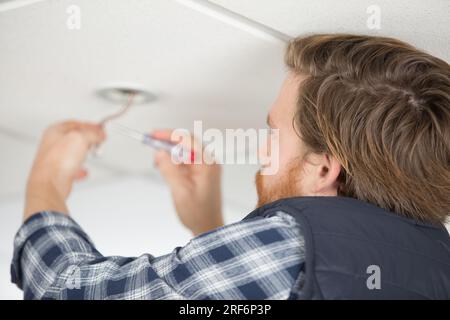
425	24
200	66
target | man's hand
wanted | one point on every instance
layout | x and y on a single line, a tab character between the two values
195	188
58	163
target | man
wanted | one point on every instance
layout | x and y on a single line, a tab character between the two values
364	183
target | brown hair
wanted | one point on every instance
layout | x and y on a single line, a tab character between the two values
382	108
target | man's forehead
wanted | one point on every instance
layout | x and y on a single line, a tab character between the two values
285	104
294	79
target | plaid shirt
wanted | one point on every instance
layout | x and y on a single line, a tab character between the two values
259	258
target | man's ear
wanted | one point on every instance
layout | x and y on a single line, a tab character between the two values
327	175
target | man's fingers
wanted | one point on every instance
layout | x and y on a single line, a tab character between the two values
165	165
92	133
174	174
83	173
84	137
164	134
65	126
185	138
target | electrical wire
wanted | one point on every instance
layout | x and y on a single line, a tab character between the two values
121	112
96	149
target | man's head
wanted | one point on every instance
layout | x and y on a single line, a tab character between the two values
363	117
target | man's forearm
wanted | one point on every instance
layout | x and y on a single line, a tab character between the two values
59	161
42	195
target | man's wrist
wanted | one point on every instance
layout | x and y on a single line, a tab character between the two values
217	223
42	195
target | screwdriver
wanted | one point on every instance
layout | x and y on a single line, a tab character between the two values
175	149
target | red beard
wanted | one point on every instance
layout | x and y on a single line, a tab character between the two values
287	186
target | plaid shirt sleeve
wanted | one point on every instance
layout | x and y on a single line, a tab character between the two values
259	258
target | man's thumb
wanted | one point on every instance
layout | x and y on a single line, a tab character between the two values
169	170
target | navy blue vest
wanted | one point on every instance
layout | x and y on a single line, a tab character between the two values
344	237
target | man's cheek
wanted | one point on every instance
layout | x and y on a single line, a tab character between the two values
270	157
272	168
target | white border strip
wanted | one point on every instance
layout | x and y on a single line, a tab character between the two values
236	20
